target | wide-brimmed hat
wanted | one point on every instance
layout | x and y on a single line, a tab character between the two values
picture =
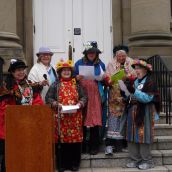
16	64
142	63
91	47
64	64
43	50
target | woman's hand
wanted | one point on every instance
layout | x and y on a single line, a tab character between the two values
79	77
80	105
54	104
44	83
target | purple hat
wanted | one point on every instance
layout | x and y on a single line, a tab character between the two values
43	50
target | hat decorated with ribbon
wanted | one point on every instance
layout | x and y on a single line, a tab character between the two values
64	64
16	64
142	63
91	47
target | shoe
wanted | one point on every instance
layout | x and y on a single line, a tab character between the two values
132	165
94	152
145	166
75	168
108	150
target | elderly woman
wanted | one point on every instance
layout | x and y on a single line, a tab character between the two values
18	90
93	88
43	70
143	105
67	92
116	105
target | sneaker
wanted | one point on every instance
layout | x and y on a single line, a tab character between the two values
145	166
132	165
108	150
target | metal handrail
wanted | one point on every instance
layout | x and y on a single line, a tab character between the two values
163	79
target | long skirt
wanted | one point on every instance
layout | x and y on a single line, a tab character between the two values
113	137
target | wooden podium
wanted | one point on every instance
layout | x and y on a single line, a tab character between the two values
29	141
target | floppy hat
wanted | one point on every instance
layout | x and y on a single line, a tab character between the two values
142	63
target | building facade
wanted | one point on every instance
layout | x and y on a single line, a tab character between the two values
143	25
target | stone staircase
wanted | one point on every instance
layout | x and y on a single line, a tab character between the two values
161	152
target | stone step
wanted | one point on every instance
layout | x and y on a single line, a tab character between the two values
116	160
155	169
163	130
160	157
162	143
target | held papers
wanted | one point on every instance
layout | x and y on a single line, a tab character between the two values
69	108
89	73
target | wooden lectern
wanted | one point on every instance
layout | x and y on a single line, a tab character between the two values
29	141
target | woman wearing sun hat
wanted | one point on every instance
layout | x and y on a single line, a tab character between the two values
144	104
66	91
43	70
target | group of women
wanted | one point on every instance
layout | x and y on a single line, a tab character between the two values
129	117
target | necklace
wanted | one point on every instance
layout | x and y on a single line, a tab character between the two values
27	94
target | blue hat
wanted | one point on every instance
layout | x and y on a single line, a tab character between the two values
43	50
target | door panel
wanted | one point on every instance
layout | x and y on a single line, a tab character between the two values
94	18
55	21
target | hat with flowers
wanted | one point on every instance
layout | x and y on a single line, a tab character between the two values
64	64
142	63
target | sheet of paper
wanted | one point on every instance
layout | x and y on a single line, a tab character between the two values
123	87
87	72
69	109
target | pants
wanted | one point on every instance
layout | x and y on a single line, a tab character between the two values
2	155
70	154
140	152
91	138
118	144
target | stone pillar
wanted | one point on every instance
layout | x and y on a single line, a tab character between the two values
117	22
9	41
150	28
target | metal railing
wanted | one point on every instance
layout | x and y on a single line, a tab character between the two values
163	79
